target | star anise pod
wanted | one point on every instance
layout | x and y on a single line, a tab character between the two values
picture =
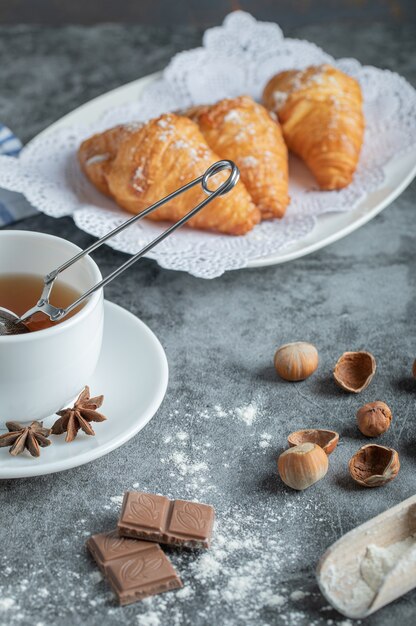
79	416
31	437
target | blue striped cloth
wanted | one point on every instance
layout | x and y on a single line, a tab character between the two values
13	206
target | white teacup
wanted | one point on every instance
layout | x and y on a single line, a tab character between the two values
42	371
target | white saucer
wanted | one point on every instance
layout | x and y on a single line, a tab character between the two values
132	373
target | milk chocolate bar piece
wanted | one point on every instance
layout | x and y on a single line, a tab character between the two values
141	575
107	547
174	522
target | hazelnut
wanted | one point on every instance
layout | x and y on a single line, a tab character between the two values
354	371
373	465
414	369
374	418
327	439
302	466
296	361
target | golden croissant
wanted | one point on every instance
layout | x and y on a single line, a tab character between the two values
243	131
320	110
153	160
97	153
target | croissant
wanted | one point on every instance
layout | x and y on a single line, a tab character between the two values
243	131
153	160
97	153
320	110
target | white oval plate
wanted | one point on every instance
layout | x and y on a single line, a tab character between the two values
329	228
132	373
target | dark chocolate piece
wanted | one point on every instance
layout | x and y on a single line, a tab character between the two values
174	522
144	574
107	547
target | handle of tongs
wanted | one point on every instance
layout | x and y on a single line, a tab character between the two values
56	314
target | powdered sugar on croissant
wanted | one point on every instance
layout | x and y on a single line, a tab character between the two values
243	131
320	110
158	157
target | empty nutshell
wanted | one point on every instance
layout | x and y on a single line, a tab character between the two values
296	361
374	465
354	371
374	418
326	439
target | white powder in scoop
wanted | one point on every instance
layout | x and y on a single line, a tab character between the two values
361	587
378	561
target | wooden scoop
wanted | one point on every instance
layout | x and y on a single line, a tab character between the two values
340	574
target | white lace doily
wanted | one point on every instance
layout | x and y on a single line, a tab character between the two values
236	58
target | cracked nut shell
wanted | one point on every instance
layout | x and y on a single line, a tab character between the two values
327	439
302	466
354	371
374	418
296	361
374	465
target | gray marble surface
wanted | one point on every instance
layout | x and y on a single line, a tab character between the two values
219	337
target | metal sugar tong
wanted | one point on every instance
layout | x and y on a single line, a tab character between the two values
11	324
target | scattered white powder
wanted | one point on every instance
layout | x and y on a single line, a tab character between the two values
207	567
265	444
165	136
137	177
219	411
133	126
298	595
232	116
6	603
249	161
244	576
117	500
265	441
185	466
279	98
180	144
182	436
151	619
163	123
184	593
96	577
97	158
247	413
274	599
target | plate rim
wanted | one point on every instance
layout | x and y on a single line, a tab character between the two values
124	435
124	92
